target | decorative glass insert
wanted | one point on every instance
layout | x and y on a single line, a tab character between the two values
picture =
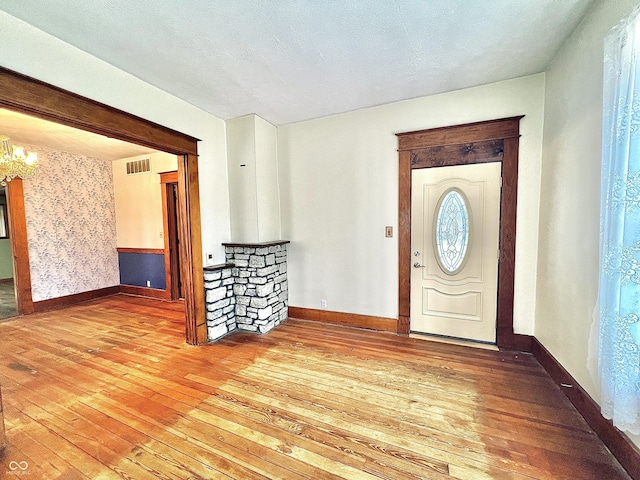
451	232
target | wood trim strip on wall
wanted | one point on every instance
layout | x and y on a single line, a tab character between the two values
404	246
452	135
169	177
152	251
33	97
348	319
522	343
145	292
622	448
191	248
19	246
168	281
507	262
169	226
467	153
67	300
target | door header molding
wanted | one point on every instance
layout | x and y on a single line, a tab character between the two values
498	129
28	95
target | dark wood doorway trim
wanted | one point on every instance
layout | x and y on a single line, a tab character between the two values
169	187
33	97
19	247
490	141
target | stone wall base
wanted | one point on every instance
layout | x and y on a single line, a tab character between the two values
250	292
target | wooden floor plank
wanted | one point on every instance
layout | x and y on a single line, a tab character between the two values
335	441
423	449
108	389
225	444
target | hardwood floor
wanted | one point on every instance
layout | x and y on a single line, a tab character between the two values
109	389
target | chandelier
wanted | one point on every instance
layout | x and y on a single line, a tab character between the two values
16	161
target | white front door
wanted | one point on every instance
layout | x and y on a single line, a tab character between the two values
455	223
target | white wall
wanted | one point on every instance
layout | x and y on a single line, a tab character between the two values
339	189
570	196
267	186
32	52
253	179
138	201
241	165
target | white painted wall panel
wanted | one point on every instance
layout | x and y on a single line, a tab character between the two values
138	201
241	161
267	185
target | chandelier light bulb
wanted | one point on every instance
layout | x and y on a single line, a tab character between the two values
15	161
32	157
18	152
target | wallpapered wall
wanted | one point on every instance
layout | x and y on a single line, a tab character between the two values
70	225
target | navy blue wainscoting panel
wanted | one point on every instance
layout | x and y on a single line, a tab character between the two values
138	268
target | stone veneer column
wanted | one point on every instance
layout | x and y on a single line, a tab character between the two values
250	292
219	300
261	287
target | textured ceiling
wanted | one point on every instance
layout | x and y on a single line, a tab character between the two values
292	60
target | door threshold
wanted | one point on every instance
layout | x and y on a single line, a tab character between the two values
454	341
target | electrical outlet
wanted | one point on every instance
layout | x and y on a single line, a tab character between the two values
209	257
323	304
148	283
388	232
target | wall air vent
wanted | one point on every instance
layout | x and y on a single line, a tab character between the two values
138	166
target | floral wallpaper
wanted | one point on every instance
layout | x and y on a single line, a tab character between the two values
71	225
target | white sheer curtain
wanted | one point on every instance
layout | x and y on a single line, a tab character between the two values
619	294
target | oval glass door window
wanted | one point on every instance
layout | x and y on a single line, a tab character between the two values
452	231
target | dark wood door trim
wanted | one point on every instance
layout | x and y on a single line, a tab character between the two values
190	248
490	141
19	247
33	97
169	177
168	181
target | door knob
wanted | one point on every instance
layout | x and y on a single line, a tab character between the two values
417	265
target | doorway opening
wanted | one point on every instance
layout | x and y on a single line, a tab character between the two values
25	95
